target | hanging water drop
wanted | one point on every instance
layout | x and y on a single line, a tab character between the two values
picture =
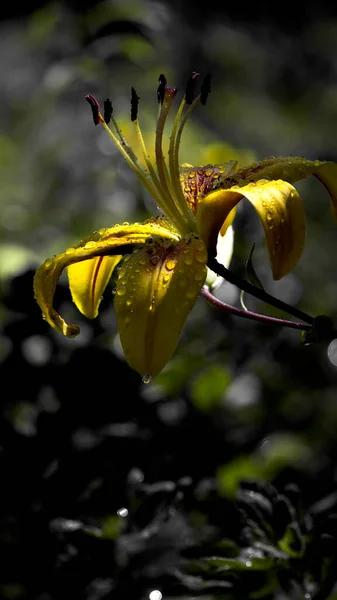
146	378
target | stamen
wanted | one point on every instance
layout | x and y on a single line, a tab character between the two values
205	89
175	138
94	108
162	183
134	104
190	88
161	88
107	110
164	201
170	179
160	161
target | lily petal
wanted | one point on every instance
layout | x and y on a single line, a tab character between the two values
200	181
281	212
106	242
291	169
88	280
156	289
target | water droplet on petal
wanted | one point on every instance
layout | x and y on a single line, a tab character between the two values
190	293
269	215
70	250
199	275
154	259
170	265
90	245
146	378
198	245
121	291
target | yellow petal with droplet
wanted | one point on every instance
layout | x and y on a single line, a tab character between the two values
215	214
200	181
88	280
281	212
327	174
290	169
106	242
156	289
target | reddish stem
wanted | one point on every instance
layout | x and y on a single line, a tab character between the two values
247	314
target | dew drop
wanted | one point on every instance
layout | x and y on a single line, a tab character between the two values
142	261
90	245
70	250
125	224
121	291
198	245
188	260
199	275
128	302
114	290
269	215
170	265
127	257
154	259
146	378
200	257
48	262
166	278
190	293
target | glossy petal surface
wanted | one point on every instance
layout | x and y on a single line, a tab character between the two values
156	289
280	210
88	280
101	243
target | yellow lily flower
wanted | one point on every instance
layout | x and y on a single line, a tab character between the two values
162	263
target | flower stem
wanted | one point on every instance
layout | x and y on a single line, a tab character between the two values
247	314
259	293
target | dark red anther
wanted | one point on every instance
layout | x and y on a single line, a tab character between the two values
134	104
161	88
94	108
107	110
205	89
190	88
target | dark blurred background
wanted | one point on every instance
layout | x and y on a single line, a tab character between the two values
218	479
